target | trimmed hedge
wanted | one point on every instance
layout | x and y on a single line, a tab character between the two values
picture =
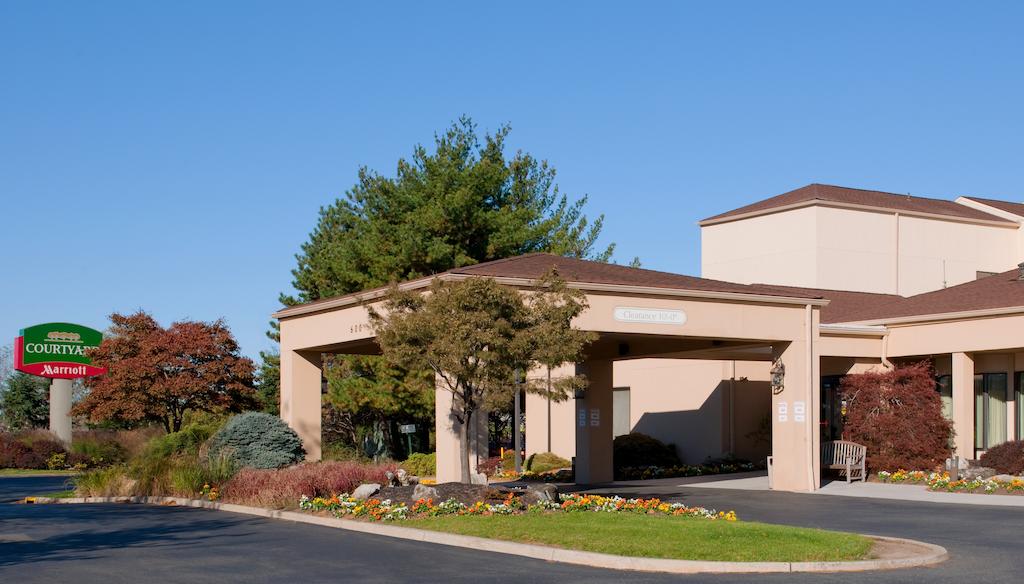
544	462
635	450
1007	458
421	464
258	440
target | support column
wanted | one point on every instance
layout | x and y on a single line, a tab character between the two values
562	430
446	438
963	404
593	422
796	412
60	409
301	397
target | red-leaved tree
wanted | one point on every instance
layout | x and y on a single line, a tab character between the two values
897	414
157	374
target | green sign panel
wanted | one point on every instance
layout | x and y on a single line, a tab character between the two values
57	350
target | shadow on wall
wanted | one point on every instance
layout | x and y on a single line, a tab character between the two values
705	432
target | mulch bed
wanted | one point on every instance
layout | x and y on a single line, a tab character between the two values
463	493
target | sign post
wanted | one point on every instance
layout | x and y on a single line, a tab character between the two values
58	351
408	430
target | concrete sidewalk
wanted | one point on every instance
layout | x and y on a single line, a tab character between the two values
868	490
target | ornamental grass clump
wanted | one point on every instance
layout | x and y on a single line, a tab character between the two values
258	440
281	489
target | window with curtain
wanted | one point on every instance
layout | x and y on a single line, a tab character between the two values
989	410
944	385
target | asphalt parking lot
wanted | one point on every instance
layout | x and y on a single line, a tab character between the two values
88	544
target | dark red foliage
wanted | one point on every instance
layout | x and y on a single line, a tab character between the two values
158	374
489	466
1007	458
897	414
27	452
281	488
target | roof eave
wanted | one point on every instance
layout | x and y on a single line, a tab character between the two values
853	206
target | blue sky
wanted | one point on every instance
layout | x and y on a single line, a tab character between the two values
173	156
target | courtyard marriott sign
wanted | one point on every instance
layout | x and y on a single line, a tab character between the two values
57	350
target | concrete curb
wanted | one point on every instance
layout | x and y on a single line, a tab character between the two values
927	554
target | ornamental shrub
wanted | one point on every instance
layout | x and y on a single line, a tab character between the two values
544	462
1007	458
30	450
897	414
258	440
640	450
421	464
280	489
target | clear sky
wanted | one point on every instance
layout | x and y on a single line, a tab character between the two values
172	156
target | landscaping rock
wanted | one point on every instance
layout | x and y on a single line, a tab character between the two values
478	478
1004	478
365	491
544	492
465	494
424	492
978	472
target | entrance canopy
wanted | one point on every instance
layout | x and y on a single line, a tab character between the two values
636	313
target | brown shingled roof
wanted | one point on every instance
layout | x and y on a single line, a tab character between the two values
1015	208
842	304
877	199
1005	290
535	265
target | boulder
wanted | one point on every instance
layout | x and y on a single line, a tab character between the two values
1004	478
424	492
477	478
366	490
543	492
978	472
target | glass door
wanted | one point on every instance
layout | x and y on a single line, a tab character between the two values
832	409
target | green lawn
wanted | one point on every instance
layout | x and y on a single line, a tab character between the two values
20	472
658	536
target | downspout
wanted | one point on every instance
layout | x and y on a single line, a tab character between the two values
811	387
885	351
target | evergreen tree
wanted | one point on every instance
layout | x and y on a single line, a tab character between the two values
24	402
464	202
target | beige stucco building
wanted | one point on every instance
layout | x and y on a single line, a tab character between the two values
822	280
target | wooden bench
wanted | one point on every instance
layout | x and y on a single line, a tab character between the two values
846	457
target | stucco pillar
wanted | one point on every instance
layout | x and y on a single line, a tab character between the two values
796	410
300	397
60	409
1011	398
593	422
446	437
963	404
562	430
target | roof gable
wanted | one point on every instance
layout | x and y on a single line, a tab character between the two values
858	197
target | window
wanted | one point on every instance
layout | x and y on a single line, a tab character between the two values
1020	404
989	410
620	411
944	385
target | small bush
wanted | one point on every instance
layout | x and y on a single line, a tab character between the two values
1007	458
489	466
636	450
421	464
897	415
258	440
111	481
545	461
93	451
280	489
30	450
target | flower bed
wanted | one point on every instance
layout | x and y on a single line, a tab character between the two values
685	470
943	482
386	510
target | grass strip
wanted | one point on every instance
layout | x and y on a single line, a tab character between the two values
654	536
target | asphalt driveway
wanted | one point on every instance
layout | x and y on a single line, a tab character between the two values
84	544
